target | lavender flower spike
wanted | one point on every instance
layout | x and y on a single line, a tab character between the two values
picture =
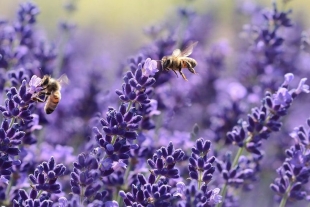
294	173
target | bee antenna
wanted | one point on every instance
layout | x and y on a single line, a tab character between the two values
41	72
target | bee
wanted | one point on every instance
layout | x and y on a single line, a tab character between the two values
179	60
51	90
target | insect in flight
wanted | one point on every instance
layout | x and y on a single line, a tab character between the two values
51	90
179	60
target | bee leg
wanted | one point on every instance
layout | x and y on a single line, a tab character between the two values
175	72
45	98
38	99
190	68
46	94
167	69
183	76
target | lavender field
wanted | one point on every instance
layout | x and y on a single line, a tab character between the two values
84	125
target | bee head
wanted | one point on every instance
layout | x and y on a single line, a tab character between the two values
45	80
165	62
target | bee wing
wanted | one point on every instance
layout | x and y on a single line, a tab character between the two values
187	51
176	52
63	79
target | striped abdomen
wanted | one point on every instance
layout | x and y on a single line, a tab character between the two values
52	102
189	63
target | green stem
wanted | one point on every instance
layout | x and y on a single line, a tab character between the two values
223	194
81	197
40	192
157	179
129	106
12	122
8	189
118	199
199	180
235	162
285	197
114	197
127	171
113	139
239	153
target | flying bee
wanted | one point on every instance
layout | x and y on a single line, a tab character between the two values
51	90
179	60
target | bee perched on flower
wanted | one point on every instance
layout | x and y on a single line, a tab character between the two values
50	88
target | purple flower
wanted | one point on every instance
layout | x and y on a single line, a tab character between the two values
185	172
200	164
149	67
111	204
180	191
46	175
299	159
215	197
302	87
282	97
106	164
147	192
288	78
3	181
164	160
136	86
118	165
62	202
31	199
294	172
34	84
